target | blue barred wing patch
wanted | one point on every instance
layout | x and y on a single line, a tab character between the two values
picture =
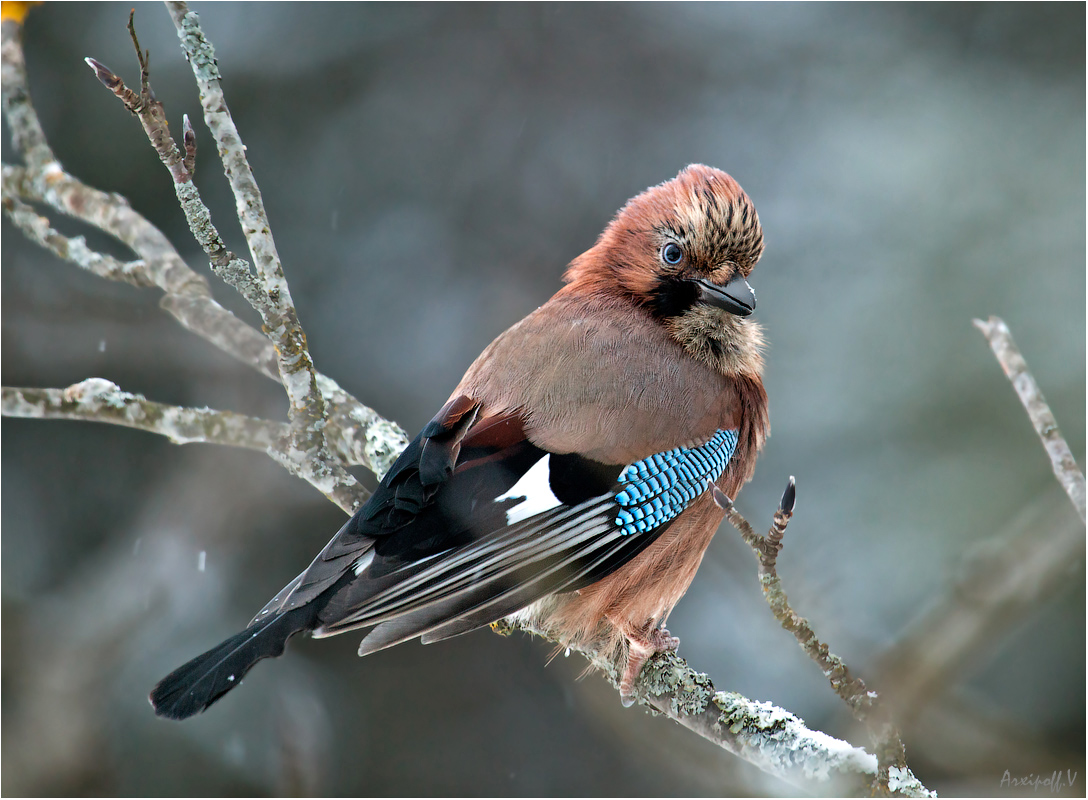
656	489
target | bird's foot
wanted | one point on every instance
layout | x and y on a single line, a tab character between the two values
642	647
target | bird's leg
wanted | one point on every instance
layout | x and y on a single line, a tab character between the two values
642	643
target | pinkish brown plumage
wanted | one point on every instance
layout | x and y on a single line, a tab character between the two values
659	379
564	482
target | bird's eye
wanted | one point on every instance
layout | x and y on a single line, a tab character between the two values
671	253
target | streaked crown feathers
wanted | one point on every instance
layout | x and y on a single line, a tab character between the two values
702	209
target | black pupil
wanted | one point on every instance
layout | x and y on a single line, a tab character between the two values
671	253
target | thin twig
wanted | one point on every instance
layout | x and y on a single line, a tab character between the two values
865	705
296	366
150	112
1008	575
1042	418
74	249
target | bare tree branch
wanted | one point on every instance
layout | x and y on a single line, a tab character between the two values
299	377
26	129
99	400
74	249
232	269
1007	576
44	180
207	318
306	454
357	433
762	734
1042	418
188	297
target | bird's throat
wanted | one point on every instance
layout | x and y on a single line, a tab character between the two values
727	343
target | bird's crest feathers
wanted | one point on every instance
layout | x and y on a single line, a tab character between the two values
702	209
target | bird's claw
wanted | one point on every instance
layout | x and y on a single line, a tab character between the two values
659	640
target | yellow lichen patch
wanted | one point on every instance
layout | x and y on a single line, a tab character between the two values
501	627
16	10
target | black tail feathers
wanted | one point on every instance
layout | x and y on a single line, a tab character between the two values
194	686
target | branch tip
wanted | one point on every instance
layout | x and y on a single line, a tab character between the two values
789	497
104	74
132	33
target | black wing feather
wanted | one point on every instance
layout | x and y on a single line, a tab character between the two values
507	558
197	684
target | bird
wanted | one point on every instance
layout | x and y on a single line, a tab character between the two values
566	484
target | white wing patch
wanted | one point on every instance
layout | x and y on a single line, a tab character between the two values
363	561
535	487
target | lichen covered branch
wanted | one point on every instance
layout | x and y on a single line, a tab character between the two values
776	741
760	733
26	129
232	269
306	453
1042	418
99	400
296	366
74	249
359	435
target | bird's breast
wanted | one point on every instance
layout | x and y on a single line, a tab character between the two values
602	381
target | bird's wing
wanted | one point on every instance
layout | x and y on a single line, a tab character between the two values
408	488
475	522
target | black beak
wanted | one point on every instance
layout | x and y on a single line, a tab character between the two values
736	297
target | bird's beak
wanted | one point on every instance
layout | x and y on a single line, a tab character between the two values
736	297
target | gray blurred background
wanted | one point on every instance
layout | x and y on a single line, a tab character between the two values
429	170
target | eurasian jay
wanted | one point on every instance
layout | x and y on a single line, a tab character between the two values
564	484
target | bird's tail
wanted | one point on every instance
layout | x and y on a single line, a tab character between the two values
194	686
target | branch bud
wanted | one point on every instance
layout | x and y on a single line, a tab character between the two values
789	497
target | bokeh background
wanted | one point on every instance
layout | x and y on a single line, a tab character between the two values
429	170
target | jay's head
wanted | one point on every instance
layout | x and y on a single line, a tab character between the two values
682	252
